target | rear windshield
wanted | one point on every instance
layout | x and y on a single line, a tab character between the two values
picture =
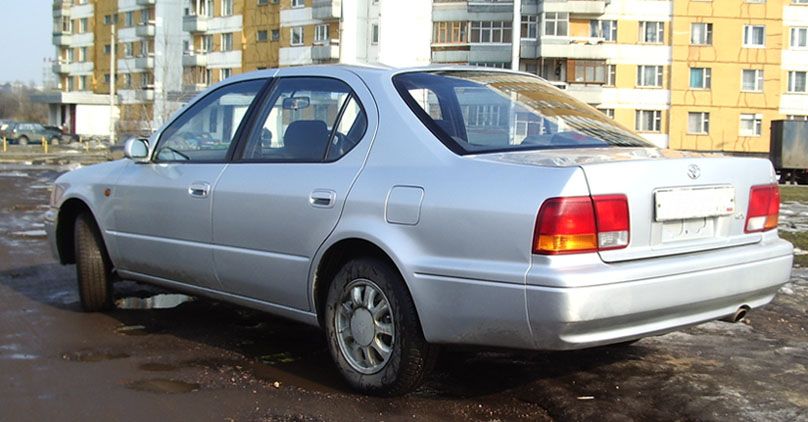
483	111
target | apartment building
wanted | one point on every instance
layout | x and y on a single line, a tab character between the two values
689	74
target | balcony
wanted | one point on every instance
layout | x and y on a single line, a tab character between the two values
490	6
325	53
61	66
146	2
224	58
132	64
590	94
145	30
194	58
195	23
575	48
326	9
62	38
145	94
577	7
61	8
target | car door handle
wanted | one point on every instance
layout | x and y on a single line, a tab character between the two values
199	189
322	198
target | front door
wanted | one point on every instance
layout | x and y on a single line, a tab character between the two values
284	192
162	208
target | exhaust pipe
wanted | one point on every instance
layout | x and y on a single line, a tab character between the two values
739	314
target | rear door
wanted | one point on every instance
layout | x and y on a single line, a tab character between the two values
681	205
284	192
162	208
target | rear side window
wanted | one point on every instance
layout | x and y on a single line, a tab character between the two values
307	119
204	132
479	111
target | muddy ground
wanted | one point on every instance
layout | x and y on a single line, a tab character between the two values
204	360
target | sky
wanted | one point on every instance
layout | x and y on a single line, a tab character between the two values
25	39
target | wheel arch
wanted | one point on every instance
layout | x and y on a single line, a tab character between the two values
65	227
335	256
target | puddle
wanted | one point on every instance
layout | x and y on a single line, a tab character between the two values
30	233
93	356
132	330
279	358
162	301
21	356
157	367
163	386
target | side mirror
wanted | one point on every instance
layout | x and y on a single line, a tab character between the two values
137	150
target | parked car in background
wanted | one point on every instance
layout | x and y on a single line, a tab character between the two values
24	133
67	138
401	210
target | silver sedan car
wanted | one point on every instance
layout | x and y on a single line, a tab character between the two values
405	209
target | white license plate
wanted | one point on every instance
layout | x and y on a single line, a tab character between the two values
694	202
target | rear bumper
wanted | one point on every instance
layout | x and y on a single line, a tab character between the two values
456	311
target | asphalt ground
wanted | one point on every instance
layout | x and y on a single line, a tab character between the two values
164	357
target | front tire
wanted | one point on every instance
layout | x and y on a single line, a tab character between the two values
373	331
54	141
93	269
22	140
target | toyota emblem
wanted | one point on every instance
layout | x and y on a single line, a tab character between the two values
693	171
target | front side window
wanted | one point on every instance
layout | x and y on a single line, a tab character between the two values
754	36
797	81
701	33
751	124
485	111
649	76
752	80
698	123
204	132
307	120
556	23
799	37
700	77
648	120
652	32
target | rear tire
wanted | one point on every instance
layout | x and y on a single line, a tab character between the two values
379	350
93	269
22	140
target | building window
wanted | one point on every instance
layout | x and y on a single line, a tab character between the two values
127	80
263	2
701	33
450	33
227	42
145	17
127	49
556	24
145	81
297	35
603	29
83	54
107	49
107	19
751	124
754	36
144	48
799	37
225	73
495	65
608	112
797	81
207	43
276	34
71	84
321	33
262	36
82	83
129	19
84	25
491	32
587	71
298	3
698	123
752	80
107	78
701	77
652	32
227	7
797	117
648	120
530	27
374	33
611	74
650	76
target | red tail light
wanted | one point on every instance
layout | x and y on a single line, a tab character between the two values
581	224
764	208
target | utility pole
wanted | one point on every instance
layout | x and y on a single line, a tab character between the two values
112	86
516	32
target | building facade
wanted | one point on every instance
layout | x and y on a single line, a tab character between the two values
686	74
